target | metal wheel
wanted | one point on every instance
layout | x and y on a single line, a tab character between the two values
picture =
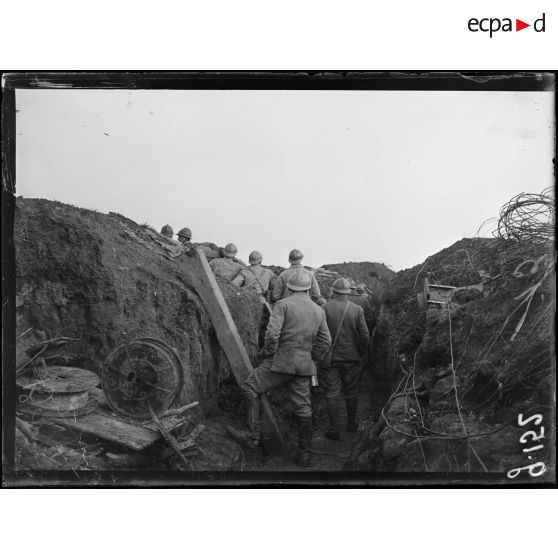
141	375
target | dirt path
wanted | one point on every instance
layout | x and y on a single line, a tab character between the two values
327	455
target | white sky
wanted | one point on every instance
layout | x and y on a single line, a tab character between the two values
386	176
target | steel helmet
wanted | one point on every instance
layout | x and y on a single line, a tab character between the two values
341	286
167	231
186	232
300	281
352	283
361	288
295	256
255	257
230	250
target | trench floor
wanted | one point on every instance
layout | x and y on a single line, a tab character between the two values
327	455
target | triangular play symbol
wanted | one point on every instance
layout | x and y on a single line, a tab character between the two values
519	25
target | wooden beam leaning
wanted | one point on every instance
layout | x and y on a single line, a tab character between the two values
227	333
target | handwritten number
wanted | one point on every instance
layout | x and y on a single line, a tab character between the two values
537	418
532	433
531	468
534	448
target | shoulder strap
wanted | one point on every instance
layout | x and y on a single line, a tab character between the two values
257	279
340	325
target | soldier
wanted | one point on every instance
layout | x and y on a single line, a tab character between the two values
185	237
356	297
348	329
259	278
167	231
228	267
262	280
361	289
362	299
280	290
297	333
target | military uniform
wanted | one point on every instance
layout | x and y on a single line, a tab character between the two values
297	332
226	268
296	335
258	278
343	374
280	291
347	325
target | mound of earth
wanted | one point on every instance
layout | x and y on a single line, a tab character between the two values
106	279
450	380
362	272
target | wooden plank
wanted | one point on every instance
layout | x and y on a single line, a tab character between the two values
227	333
105	426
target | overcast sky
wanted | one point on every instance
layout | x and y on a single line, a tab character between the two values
386	176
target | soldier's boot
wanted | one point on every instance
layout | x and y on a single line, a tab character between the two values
249	438
333	414
304	454
351	405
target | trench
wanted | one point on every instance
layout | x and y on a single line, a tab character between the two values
68	259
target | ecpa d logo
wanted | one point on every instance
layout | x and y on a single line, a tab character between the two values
493	25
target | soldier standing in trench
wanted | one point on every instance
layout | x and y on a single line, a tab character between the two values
350	335
297	335
167	232
256	277
211	250
280	291
185	237
359	297
228	267
262	280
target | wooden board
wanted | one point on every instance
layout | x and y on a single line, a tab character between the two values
103	425
227	333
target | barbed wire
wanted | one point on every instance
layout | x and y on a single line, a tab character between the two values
528	217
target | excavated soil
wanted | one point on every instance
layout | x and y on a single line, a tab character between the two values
452	380
108	280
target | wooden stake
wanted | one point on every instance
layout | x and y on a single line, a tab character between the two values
170	439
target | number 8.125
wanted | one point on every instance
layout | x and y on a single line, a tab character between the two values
534	469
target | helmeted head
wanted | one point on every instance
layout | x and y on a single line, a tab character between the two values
299	281
167	231
352	284
295	256
230	250
184	235
255	258
361	288
341	286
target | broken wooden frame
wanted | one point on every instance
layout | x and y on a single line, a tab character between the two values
441	294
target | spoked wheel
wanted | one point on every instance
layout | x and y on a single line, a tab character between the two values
142	375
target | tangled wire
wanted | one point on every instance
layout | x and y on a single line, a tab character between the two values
528	217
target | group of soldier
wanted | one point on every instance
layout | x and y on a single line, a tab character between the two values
304	336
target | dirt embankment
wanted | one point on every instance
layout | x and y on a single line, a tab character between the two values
106	279
454	378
